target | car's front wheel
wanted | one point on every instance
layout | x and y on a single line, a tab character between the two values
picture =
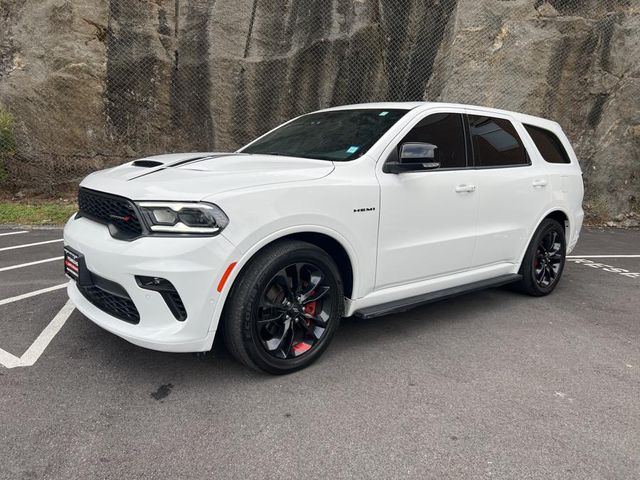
544	260
284	308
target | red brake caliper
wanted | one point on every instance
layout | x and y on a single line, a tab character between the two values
310	308
300	348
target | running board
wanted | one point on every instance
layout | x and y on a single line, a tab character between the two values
409	303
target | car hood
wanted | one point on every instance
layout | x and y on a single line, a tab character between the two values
195	176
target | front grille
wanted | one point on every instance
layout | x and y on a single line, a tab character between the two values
111	298
110	210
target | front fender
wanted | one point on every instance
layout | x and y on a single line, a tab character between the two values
246	251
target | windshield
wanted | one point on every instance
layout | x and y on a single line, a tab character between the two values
338	135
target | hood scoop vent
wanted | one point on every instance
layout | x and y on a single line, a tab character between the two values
146	163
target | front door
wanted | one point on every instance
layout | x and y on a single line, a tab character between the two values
428	218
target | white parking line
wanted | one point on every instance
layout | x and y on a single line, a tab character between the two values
29	245
603	256
37	262
607	268
14	233
36	349
8	360
32	294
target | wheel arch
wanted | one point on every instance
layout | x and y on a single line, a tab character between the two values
328	240
557	214
334	249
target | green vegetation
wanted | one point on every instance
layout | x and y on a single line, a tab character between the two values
36	213
33	212
7	141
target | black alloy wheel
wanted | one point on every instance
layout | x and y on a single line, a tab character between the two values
284	308
548	259
544	259
294	310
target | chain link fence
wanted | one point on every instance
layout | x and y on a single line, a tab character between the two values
89	83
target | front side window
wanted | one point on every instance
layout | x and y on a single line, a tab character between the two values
446	132
548	144
496	142
337	135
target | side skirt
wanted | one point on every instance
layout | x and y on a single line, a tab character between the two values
412	302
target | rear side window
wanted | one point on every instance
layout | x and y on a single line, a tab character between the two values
446	132
549	145
496	142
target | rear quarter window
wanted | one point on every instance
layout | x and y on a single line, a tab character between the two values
549	145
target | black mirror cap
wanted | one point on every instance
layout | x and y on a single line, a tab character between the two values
399	167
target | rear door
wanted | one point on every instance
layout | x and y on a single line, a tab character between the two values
427	218
512	189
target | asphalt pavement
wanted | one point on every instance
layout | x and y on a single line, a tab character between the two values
493	384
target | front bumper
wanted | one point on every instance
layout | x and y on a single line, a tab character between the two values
193	265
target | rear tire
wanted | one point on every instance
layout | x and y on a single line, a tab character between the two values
284	308
544	260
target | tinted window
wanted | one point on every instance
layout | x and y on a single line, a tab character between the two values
445	131
548	145
337	135
496	142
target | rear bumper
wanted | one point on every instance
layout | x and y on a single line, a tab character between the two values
193	265
574	232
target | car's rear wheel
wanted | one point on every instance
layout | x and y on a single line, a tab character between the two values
284	308
544	260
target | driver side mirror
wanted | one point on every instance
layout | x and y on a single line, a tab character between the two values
414	156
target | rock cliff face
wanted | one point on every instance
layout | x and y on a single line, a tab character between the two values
577	63
92	82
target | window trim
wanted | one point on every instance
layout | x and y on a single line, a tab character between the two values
492	167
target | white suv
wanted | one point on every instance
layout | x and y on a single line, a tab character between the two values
357	210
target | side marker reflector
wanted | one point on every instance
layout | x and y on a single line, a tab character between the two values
225	275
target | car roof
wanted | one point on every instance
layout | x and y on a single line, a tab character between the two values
521	117
378	105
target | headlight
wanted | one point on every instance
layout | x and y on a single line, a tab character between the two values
179	217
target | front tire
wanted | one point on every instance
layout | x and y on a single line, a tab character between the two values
544	260
284	308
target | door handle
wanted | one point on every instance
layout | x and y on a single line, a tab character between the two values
465	188
539	183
